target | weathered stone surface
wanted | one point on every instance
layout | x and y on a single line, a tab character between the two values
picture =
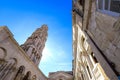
61	75
100	33
35	44
12	57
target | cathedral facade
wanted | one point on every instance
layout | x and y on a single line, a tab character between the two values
21	62
96	39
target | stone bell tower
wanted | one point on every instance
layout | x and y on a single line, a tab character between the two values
35	43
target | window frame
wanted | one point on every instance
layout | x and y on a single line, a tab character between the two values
103	10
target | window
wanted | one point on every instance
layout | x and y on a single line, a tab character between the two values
89	72
115	6
82	77
109	6
94	58
81	2
34	59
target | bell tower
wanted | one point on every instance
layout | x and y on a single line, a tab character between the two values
35	44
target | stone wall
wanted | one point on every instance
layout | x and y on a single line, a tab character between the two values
35	44
102	28
61	75
14	63
95	44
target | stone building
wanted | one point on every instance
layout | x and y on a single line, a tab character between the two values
61	75
96	39
35	43
18	63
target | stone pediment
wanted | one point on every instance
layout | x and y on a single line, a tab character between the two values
61	75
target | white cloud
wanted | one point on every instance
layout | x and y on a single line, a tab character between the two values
46	55
55	54
54	59
65	64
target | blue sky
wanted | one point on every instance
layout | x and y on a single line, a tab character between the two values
23	17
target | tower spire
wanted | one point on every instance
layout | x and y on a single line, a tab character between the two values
35	43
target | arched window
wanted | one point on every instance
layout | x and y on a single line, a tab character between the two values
27	48
27	76
20	73
8	69
3	53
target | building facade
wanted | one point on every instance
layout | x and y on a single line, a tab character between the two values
61	75
96	40
18	63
